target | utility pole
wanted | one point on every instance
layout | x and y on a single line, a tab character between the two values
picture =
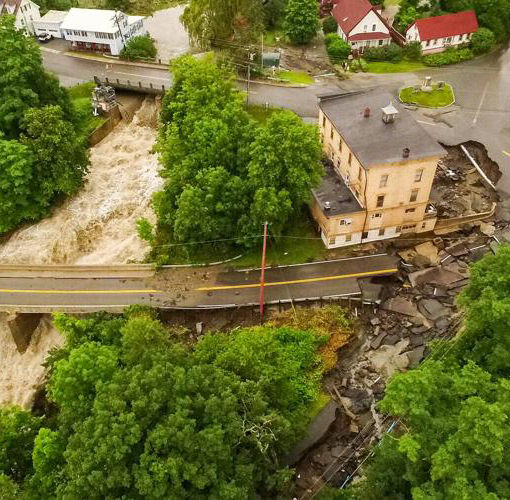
262	274
248	85
118	25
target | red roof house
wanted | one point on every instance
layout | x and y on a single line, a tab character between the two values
360	23
440	32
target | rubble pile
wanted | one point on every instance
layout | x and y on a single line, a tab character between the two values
458	189
410	312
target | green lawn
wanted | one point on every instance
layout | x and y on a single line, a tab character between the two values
80	96
435	99
271	35
285	250
388	67
295	77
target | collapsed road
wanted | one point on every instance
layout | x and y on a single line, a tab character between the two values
41	289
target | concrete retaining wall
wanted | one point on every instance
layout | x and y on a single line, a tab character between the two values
101	132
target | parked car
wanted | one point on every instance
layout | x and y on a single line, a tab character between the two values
45	37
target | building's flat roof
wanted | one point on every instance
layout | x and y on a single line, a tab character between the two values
53	16
371	140
334	190
102	21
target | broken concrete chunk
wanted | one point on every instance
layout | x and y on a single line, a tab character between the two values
375	321
400	305
390	340
388	359
487	229
457	250
416	340
434	276
378	340
432	309
443	323
415	356
22	327
428	250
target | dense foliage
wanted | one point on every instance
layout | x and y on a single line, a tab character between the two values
225	174
455	408
338	49
139	48
301	20
141	416
391	53
223	22
482	41
329	25
449	56
42	156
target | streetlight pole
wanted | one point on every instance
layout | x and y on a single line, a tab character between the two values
262	274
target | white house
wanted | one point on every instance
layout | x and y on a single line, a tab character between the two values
361	24
25	12
101	30
440	32
50	23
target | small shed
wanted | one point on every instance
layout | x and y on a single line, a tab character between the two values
50	23
270	59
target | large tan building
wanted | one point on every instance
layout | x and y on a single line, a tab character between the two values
383	168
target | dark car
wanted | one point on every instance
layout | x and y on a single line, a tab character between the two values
45	37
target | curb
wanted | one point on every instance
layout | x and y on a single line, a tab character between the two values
116	61
271	84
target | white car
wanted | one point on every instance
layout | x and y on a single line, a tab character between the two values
45	37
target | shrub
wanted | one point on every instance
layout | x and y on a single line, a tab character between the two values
138	48
450	56
412	51
329	25
482	41
337	48
391	53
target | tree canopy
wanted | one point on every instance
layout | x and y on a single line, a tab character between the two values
455	407
225	174
301	20
141	416
42	157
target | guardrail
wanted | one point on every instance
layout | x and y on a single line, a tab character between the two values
133	85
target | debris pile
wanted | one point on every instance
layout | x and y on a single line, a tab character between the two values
417	307
458	189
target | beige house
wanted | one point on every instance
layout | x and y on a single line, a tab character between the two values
383	168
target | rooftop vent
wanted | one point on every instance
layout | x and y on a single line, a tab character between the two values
389	113
327	205
366	112
406	152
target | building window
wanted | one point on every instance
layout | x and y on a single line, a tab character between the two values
384	181
398	229
410	210
332	241
428	43
359	174
408	228
331	133
348	237
373	27
364	236
345	222
418	175
380	201
377	215
414	195
382	231
350	158
340	145
424	225
380	42
323	121
365	28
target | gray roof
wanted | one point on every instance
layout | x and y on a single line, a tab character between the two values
53	16
371	140
334	190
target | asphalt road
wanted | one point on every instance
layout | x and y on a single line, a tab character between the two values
31	293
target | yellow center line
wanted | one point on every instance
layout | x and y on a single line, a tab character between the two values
296	282
507	153
80	292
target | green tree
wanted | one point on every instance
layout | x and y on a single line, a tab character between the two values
142	417
273	12
329	25
218	22
338	49
18	429
23	81
412	51
139	48
16	184
482	41
59	154
301	20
